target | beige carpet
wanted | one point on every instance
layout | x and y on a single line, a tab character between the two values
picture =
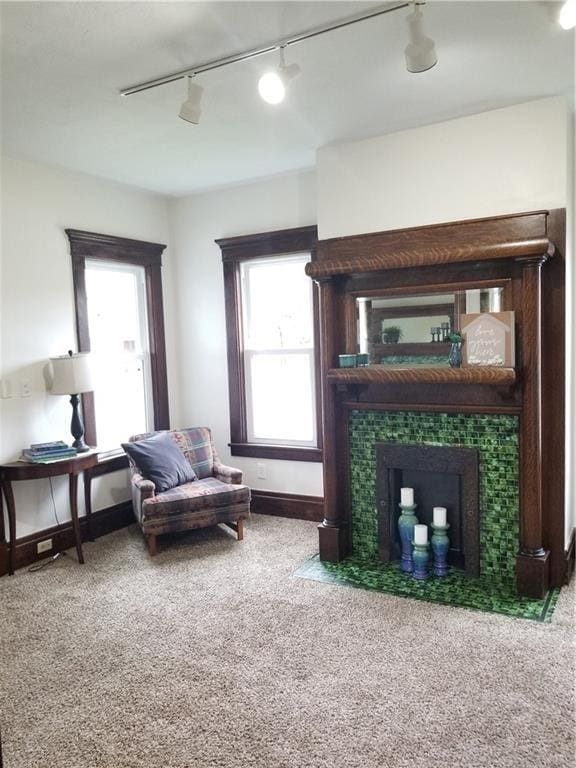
215	654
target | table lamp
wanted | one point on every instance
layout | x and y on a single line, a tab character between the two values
72	375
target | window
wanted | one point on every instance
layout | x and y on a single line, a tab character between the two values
271	314
119	318
118	327
278	342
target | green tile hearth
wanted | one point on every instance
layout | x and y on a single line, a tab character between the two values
456	589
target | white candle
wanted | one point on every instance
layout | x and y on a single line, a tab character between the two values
420	534
439	516
407	497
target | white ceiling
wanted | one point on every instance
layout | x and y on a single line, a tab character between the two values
63	64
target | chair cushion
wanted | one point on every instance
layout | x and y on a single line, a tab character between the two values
200	496
160	460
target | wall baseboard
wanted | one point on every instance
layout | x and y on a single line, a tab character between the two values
288	505
569	559
103	521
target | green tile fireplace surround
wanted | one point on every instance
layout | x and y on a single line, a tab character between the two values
495	437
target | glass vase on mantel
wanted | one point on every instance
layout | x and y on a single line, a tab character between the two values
455	355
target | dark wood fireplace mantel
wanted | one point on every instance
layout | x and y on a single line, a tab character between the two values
385	374
506	251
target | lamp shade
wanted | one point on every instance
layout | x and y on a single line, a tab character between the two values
72	374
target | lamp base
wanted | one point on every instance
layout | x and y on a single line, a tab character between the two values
76	427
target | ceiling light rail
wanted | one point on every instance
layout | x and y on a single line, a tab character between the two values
253	53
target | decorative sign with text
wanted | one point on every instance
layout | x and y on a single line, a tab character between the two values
488	339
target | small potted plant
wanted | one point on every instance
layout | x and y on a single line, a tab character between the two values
391	334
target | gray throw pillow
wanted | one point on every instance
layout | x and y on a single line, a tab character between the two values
160	460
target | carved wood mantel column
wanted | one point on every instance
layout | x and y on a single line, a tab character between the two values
333	531
532	566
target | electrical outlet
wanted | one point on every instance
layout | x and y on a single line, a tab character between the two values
261	471
5	389
44	546
25	390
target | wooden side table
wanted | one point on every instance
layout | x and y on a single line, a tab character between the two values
19	470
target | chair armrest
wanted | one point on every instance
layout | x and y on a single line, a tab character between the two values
142	489
145	487
226	474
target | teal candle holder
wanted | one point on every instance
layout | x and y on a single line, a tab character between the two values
406	523
420	556
347	361
440	545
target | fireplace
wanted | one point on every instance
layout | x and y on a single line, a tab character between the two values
440	476
512	416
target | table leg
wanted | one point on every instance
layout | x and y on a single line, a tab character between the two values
9	496
88	503
74	511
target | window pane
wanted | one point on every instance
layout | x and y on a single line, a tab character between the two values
119	399
277	304
113	314
281	397
117	326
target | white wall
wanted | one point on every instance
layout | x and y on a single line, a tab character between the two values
520	158
503	161
37	309
197	220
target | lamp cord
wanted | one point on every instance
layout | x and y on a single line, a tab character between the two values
48	561
53	502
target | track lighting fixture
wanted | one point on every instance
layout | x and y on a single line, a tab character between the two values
567	16
190	109
420	52
420	55
272	84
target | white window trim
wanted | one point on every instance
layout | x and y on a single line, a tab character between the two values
248	352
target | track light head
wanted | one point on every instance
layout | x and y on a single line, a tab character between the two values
272	84
190	109
567	18
420	52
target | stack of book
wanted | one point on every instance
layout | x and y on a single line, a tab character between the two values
44	453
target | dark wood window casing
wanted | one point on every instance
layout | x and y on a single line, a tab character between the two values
236	250
90	245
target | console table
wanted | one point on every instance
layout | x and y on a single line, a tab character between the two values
19	470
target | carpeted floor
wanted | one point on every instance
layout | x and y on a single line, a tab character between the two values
216	654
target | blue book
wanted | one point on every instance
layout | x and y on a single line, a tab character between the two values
51	456
55	445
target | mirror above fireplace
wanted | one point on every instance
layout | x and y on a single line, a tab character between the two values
414	329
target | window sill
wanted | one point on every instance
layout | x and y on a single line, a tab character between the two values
110	462
285	452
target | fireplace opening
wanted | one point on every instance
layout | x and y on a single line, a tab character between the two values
441	476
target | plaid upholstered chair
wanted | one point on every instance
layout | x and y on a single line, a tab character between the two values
214	495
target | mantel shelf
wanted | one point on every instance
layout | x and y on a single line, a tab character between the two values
387	374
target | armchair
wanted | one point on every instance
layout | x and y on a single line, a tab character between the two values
215	496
